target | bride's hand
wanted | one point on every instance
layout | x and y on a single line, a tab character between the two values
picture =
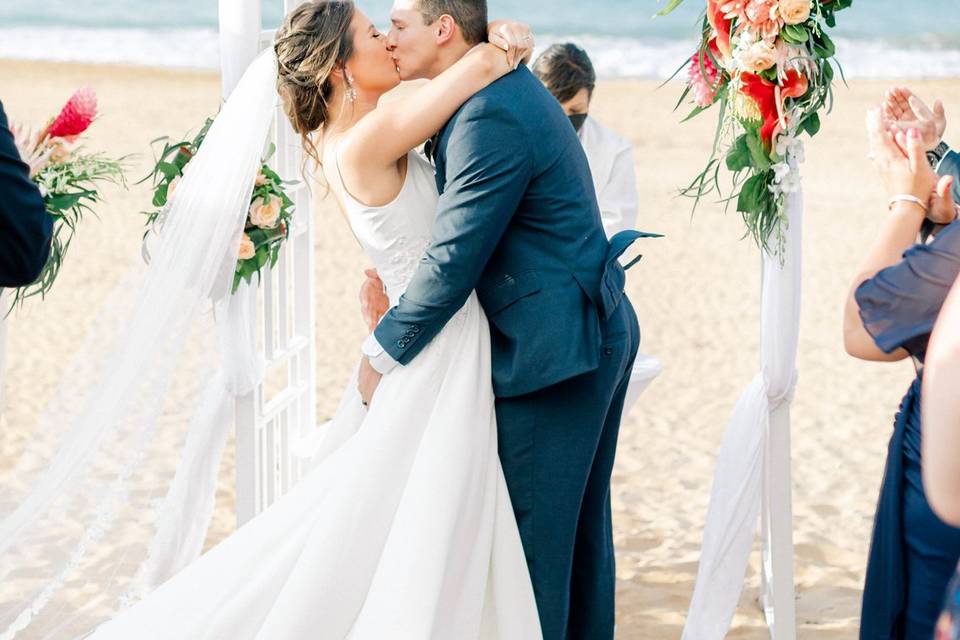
513	37
373	301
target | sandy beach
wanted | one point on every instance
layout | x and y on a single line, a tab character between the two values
696	293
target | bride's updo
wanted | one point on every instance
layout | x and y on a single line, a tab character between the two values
314	40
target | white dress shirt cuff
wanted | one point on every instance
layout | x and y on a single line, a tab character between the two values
379	359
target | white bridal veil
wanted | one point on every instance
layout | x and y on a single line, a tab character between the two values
95	516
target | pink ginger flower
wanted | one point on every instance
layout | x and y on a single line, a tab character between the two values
760	16
704	79
75	117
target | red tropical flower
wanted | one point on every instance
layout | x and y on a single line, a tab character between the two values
75	117
721	24
769	98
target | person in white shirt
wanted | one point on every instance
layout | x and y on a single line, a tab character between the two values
566	71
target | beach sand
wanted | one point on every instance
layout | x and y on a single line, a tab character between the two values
696	293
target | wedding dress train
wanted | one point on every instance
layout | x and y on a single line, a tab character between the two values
404	528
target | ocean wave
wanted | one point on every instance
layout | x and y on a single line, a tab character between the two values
613	57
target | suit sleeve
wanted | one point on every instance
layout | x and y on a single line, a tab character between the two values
487	169
25	225
950	166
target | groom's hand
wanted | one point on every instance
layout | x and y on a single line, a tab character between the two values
373	301
368	381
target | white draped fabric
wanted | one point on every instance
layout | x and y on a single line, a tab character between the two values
735	499
188	507
80	523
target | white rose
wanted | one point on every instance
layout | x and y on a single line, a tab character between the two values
265	211
795	11
247	250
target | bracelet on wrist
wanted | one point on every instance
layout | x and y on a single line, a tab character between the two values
910	199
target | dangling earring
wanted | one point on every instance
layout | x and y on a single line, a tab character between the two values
351	92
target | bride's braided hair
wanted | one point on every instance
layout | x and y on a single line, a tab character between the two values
314	40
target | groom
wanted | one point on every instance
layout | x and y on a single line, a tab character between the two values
518	222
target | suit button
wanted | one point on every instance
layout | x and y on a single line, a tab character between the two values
608	351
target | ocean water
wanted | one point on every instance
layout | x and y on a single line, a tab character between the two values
875	38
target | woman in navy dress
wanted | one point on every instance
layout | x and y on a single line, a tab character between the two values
893	304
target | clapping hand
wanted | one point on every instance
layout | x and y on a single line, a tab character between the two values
905	111
942	208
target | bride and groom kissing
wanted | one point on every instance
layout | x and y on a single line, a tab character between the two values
462	490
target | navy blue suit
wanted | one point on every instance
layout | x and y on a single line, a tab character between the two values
518	222
25	225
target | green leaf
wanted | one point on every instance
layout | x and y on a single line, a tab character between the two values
753	194
758	152
669	8
160	195
794	33
823	46
270	151
169	171
738	157
812	124
62	202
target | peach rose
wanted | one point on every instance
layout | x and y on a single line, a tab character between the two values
759	57
795	11
261	179
265	211
247	250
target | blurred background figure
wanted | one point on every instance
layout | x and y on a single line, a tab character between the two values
567	72
25	225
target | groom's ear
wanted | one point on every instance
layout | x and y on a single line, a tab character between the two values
445	29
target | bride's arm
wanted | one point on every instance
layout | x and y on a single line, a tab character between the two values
389	132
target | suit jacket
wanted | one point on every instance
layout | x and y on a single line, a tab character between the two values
25	225
518	222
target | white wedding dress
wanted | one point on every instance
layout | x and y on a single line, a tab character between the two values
404	528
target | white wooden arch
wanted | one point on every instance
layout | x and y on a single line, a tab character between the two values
279	411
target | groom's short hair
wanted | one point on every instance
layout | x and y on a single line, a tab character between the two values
470	16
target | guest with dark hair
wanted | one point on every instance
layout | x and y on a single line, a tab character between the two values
566	71
25	225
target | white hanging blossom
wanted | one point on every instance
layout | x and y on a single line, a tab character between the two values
786	173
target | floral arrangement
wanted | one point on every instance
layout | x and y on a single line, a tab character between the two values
268	219
67	178
767	63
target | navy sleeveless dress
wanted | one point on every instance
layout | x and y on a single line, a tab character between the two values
913	553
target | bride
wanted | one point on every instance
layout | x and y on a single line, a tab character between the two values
404	528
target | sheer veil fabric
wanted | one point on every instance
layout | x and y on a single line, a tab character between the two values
93	515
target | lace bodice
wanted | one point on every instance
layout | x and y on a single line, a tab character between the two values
396	235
